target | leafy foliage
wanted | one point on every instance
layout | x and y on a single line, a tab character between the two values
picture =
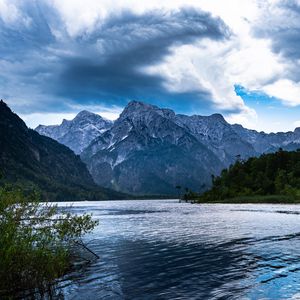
270	174
35	242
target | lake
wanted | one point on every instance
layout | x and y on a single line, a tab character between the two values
163	249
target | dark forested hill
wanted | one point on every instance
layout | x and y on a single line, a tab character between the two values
39	162
270	174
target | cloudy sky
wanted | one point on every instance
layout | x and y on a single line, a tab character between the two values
240	58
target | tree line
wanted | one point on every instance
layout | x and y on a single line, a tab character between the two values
268	175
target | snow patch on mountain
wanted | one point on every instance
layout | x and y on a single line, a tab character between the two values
151	149
79	132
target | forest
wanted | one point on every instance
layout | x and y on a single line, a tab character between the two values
273	177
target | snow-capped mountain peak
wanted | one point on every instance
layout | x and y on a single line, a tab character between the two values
151	150
79	132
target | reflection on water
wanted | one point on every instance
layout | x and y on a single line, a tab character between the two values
162	249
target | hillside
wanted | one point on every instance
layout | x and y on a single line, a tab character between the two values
268	175
38	162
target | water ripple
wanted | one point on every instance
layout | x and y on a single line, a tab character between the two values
163	249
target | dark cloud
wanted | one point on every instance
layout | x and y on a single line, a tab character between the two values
102	65
127	42
281	25
29	32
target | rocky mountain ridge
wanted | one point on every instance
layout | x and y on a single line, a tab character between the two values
150	150
77	133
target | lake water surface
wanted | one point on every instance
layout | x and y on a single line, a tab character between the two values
162	249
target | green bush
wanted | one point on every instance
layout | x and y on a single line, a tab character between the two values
35	242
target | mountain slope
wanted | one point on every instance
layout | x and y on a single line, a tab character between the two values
218	136
77	133
36	161
269	142
146	152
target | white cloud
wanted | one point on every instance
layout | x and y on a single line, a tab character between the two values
109	115
80	16
210	66
297	123
12	15
108	112
251	63
213	66
245	59
35	119
9	13
201	67
286	90
247	119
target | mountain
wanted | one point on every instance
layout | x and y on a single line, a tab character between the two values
218	136
77	133
269	142
34	161
150	150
